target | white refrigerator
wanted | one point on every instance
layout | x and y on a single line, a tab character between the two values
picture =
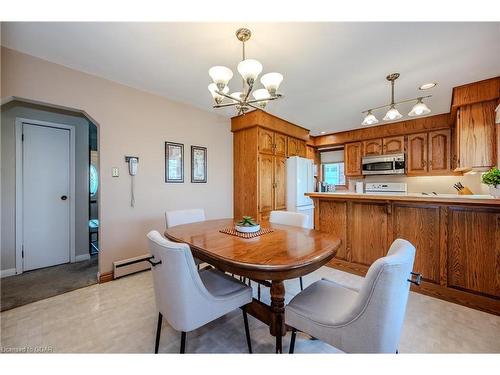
300	180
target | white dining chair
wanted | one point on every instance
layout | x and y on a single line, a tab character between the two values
368	320
295	219
188	298
179	217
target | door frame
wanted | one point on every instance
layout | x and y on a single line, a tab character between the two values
19	186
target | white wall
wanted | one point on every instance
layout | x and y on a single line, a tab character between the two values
132	122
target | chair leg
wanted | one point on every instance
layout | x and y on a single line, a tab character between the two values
258	291
247	330
301	283
158	332
292	340
183	342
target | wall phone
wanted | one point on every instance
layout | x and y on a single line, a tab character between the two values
132	170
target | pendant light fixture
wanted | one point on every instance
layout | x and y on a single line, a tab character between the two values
419	109
249	70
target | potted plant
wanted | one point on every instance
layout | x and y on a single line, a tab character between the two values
247	225
492	178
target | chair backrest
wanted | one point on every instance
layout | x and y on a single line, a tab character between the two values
180	294
179	217
295	219
380	308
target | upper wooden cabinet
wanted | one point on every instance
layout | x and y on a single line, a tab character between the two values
372	147
280	144
296	147
352	158
439	148
301	148
266	141
416	160
475	140
394	145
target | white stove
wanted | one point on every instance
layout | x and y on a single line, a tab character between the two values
392	188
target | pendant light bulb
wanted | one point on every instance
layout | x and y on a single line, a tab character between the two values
419	109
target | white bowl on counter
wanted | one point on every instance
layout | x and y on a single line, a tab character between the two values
243	229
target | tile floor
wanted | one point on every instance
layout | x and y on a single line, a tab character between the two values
120	317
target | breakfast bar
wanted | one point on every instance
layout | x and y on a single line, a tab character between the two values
457	239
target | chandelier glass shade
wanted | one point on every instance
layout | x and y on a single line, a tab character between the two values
392	114
250	70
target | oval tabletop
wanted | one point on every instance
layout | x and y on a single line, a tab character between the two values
286	252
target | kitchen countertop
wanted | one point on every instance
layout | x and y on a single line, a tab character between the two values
411	197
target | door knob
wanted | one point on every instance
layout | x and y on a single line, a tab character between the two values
64	197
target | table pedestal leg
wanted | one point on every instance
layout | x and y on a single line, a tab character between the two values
277	327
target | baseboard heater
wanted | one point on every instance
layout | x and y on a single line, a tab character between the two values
131	265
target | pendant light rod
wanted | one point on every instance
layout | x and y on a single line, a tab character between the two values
396	103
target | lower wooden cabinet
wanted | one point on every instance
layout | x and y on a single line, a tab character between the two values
457	247
474	250
266	182
279	183
368	225
420	225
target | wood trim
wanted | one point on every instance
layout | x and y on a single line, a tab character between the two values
418	125
105	277
268	121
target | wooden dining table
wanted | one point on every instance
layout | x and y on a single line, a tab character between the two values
285	253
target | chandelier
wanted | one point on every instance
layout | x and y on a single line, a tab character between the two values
392	114
249	70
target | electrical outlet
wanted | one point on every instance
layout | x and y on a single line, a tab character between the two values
115	172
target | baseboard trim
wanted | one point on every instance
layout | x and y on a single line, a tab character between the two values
8	272
105	277
82	257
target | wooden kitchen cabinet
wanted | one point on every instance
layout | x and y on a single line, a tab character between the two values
393	145
333	219
296	147
419	224
301	148
475	140
266	141
473	250
280	143
279	183
372	147
439	148
352	158
266	182
416	160
368	226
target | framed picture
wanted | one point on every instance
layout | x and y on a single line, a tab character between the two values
198	164
174	162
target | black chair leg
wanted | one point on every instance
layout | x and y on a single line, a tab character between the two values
258	291
292	340
183	342
158	332
247	330
301	283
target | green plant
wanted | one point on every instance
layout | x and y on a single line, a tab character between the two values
492	177
247	221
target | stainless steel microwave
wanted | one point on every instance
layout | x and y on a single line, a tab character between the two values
383	164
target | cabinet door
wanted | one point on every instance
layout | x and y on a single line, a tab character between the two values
279	144
417	154
352	159
477	135
266	180
394	145
372	147
311	153
266	141
368	232
301	148
279	183
333	219
474	249
292	146
420	225
439	151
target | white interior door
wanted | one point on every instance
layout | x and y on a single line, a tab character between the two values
46	196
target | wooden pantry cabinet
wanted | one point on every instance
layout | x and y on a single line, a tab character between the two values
261	145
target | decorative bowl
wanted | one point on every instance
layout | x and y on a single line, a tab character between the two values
243	229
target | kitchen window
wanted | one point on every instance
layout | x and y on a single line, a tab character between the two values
333	173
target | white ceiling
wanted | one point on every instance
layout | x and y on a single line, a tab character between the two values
332	71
